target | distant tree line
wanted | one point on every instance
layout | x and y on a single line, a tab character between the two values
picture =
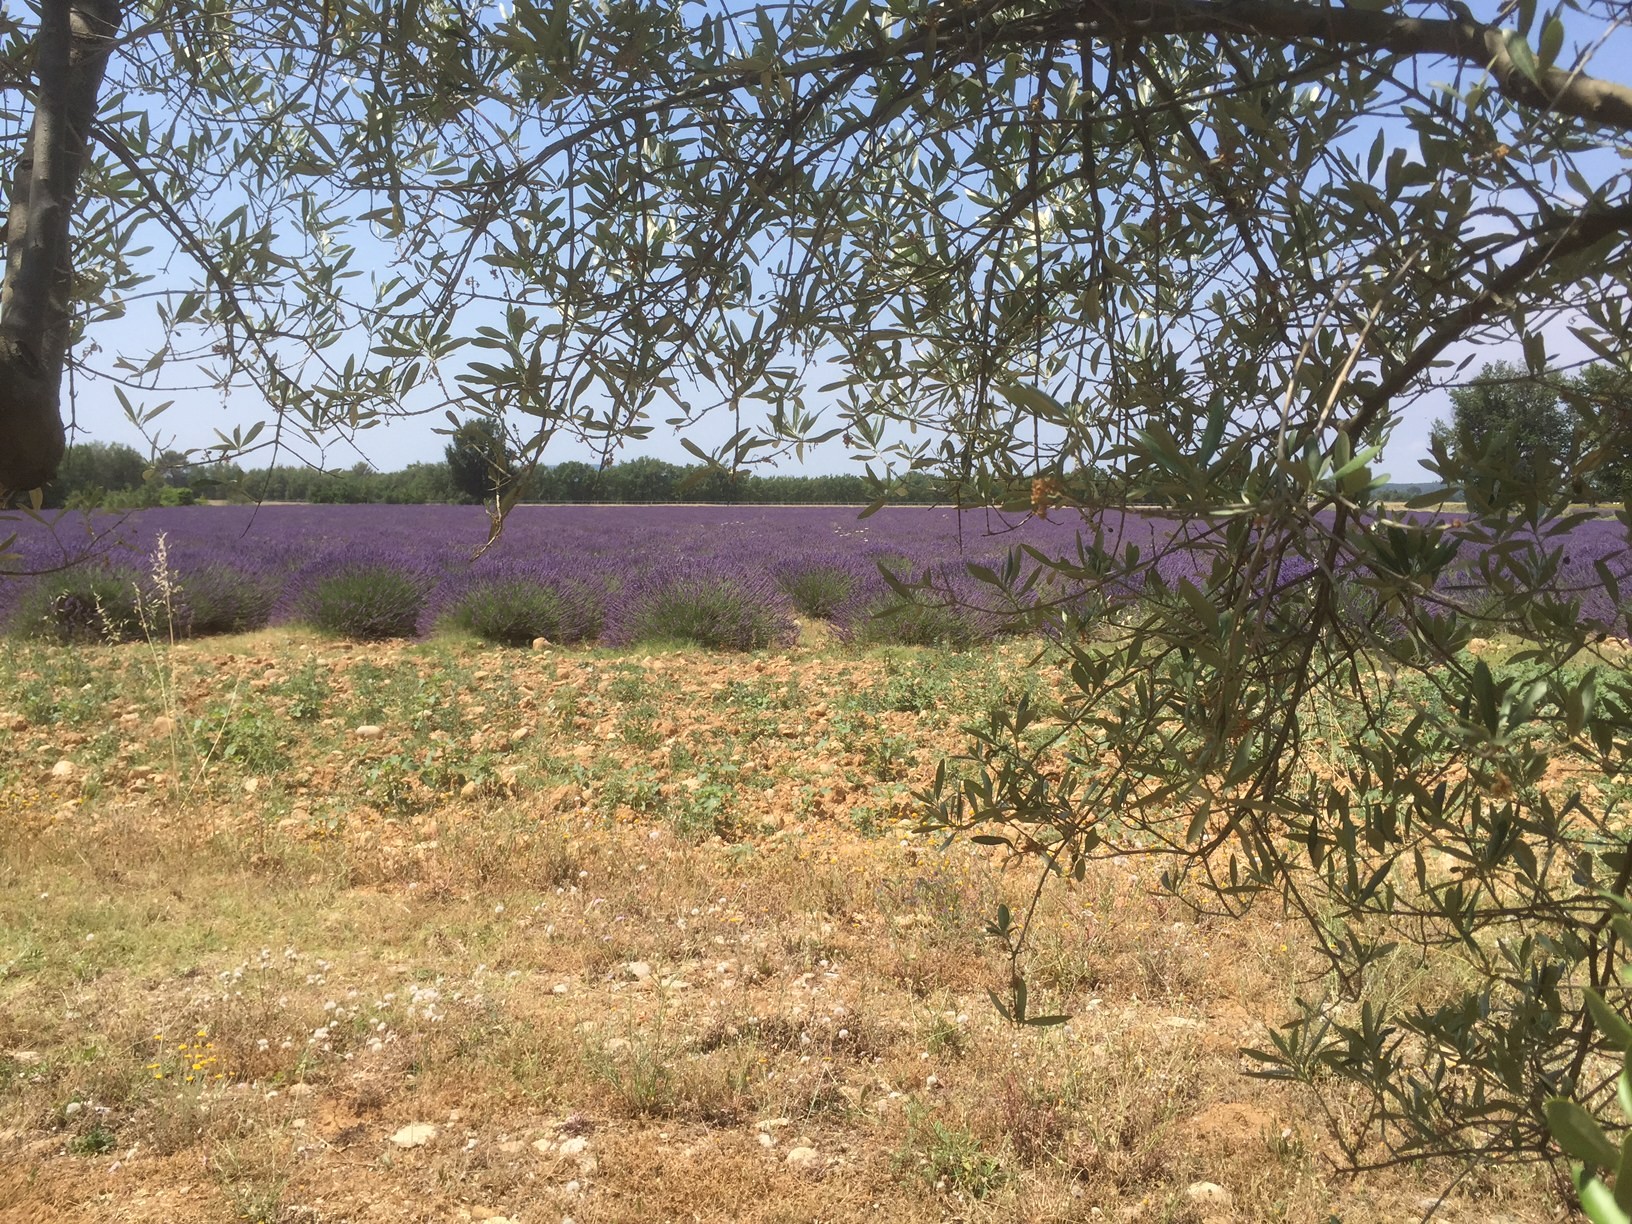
110	475
1545	425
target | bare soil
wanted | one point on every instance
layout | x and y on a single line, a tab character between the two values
293	930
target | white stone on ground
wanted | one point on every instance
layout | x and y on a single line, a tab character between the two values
417	1134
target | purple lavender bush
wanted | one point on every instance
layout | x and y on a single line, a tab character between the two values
367	596
214	595
720	606
512	603
942	607
95	602
819	586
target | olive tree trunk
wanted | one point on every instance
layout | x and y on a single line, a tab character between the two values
36	298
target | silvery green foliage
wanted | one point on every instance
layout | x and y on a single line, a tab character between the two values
1592	1152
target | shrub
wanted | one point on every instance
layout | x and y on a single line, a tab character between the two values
818	588
723	609
216	597
367	598
514	605
84	604
937	609
893	621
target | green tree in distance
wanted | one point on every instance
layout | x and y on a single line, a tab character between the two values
91	470
1209	251
1508	421
1600	402
479	462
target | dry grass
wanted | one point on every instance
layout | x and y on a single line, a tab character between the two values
626	930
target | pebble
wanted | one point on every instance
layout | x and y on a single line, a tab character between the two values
64	769
300	1090
639	970
1208	1194
803	1159
369	731
416	1135
163	725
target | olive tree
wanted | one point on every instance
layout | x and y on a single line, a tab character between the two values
1051	253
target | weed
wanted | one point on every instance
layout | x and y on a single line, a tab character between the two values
949	1158
393	784
637	787
1030	1116
638	1071
638	727
891	757
629	685
97	1141
945	1037
247	738
914	693
308	693
704	806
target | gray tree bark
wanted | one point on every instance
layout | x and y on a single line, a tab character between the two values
36	297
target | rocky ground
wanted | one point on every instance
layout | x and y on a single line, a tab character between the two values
293	930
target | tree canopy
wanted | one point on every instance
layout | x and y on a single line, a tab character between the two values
1052	252
1506	409
1011	235
478	459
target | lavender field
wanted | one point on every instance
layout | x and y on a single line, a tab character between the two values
721	577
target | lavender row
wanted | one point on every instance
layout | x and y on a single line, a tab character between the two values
730	578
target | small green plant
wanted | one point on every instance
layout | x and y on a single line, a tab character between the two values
389	782
891	757
247	738
97	1141
629	685
636	787
308	692
945	1037
949	1158
639	1072
705	810
865	819
914	692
